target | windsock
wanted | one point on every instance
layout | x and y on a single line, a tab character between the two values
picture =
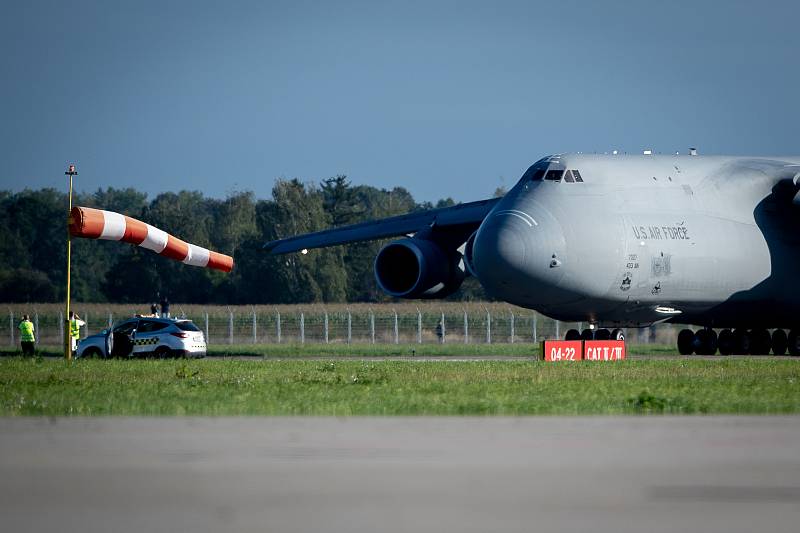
98	224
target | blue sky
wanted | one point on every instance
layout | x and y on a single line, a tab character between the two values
443	98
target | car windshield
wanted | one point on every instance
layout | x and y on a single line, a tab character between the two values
187	326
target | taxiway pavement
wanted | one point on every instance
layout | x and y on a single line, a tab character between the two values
402	474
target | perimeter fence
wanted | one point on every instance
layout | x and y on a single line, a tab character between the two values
317	324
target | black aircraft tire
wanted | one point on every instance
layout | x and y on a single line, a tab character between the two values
725	342
761	342
779	342
617	335
603	335
706	342
794	342
587	335
572	335
686	342
700	340
742	342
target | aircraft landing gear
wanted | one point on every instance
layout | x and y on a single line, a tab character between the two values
726	342
739	342
686	342
794	342
705	342
760	342
779	342
595	334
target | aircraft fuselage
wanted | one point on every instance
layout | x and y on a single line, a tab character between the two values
705	240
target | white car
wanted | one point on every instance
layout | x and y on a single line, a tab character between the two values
144	335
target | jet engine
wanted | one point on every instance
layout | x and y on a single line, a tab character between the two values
418	268
468	250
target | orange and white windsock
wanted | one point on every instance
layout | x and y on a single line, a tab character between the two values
98	224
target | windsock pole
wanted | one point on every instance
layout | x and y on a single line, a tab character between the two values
67	337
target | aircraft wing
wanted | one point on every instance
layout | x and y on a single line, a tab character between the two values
462	216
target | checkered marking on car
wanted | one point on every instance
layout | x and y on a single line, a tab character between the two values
141	342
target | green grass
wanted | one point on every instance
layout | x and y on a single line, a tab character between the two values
266	387
369	350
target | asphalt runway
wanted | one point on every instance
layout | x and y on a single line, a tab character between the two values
614	474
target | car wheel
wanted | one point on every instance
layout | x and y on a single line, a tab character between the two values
162	352
92	353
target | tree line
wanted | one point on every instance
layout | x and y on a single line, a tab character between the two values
33	246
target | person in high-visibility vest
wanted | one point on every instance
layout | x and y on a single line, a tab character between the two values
27	335
75	324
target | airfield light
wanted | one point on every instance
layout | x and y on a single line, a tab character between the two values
304	251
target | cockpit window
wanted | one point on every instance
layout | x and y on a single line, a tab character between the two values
537	175
549	169
554	175
534	173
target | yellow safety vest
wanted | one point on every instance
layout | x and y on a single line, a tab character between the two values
74	329
26	331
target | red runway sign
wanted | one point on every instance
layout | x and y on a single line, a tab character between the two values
604	350
554	350
562	350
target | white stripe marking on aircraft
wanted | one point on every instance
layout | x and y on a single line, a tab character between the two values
519	214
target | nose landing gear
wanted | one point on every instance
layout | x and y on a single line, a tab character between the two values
595	334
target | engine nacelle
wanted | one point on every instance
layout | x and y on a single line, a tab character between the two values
418	268
468	247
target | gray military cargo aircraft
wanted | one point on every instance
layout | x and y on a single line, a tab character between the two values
616	241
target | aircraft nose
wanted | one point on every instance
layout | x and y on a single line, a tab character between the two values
500	250
513	255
